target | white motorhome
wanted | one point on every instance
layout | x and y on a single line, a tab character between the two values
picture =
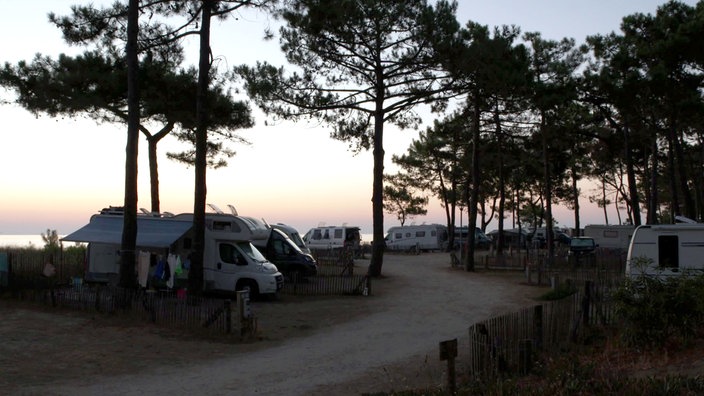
420	237
610	236
666	250
333	237
230	263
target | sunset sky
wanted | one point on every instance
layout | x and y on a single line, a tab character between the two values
56	173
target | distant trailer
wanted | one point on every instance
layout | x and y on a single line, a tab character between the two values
425	237
610	236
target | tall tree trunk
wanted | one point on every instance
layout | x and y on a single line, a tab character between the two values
476	181
689	207
153	175
575	194
603	200
129	226
631	175
377	258
653	204
153	141
674	192
195	274
548	190
502	185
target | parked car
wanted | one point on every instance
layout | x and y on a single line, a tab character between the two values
580	246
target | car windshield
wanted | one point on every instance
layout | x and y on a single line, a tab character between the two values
582	242
248	249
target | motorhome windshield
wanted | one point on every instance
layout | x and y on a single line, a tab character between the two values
280	235
296	239
248	249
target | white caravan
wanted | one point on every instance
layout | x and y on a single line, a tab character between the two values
420	237
230	261
666	250
333	237
610	236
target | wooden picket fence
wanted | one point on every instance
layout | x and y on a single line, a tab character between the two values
508	343
328	285
170	309
336	272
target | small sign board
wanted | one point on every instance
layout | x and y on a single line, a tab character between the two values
448	349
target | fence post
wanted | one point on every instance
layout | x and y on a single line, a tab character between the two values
228	316
528	274
97	298
525	356
245	314
483	340
586	302
538	326
448	351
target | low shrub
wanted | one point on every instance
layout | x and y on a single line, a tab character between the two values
656	311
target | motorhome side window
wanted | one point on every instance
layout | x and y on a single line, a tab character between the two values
279	247
222	226
408	235
420	234
610	234
230	255
668	251
317	234
338	234
398	235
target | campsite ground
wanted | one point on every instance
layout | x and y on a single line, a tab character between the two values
305	346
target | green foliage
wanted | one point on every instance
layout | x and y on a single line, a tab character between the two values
657	311
561	291
51	241
571	374
401	200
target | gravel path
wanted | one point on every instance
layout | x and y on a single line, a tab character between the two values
419	302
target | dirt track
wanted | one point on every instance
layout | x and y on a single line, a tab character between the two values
341	346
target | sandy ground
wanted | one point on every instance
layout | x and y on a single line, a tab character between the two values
305	346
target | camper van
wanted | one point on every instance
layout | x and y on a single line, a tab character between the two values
280	249
423	237
666	250
610	236
231	262
293	234
333	237
481	240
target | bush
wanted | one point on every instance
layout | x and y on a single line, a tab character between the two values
561	291
659	310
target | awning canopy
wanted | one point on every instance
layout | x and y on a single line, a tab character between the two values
151	232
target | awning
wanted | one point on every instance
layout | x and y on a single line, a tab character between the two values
152	232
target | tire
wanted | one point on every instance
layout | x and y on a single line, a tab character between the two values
250	285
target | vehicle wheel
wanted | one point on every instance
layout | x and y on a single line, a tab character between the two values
249	285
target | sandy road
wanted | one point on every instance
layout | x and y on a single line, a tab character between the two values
419	302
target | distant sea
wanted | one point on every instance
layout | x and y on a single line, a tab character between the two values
36	240
23	240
